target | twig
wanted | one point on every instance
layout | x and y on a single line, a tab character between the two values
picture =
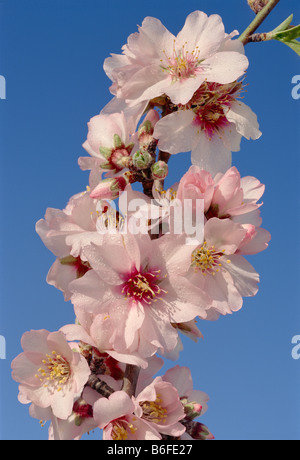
259	19
130	379
100	386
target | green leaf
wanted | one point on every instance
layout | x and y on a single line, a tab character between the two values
289	34
284	25
294	44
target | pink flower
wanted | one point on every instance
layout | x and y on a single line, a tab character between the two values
235	196
193	401
65	232
110	188
116	416
80	421
155	62
228	196
98	332
136	283
181	378
160	406
110	140
196	184
50	373
211	126
219	270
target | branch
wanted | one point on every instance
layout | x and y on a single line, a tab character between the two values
130	379
259	19
100	386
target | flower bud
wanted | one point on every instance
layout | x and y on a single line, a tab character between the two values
109	189
145	128
192	409
117	158
257	5
142	159
159	170
198	431
145	134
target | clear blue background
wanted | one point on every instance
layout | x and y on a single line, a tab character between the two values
51	54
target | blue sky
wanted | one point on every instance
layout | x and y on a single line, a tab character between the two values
52	54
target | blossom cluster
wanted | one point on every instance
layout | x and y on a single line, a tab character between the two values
137	275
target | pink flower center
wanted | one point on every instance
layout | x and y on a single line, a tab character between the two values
210	104
182	64
121	428
79	266
143	286
82	409
56	371
153	411
207	259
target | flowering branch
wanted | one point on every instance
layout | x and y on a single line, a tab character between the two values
132	276
259	19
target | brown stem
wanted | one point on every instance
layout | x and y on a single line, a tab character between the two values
163	156
101	387
130	379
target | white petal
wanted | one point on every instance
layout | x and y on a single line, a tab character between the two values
225	67
211	155
245	120
205	32
244	275
176	132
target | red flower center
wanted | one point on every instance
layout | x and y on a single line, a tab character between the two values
143	286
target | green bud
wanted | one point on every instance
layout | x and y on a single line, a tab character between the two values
159	170
142	159
145	128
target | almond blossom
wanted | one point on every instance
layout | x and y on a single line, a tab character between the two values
211	126
64	233
97	332
134	282
160	406
218	269
155	62
110	140
50	373
80	421
193	401
116	416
